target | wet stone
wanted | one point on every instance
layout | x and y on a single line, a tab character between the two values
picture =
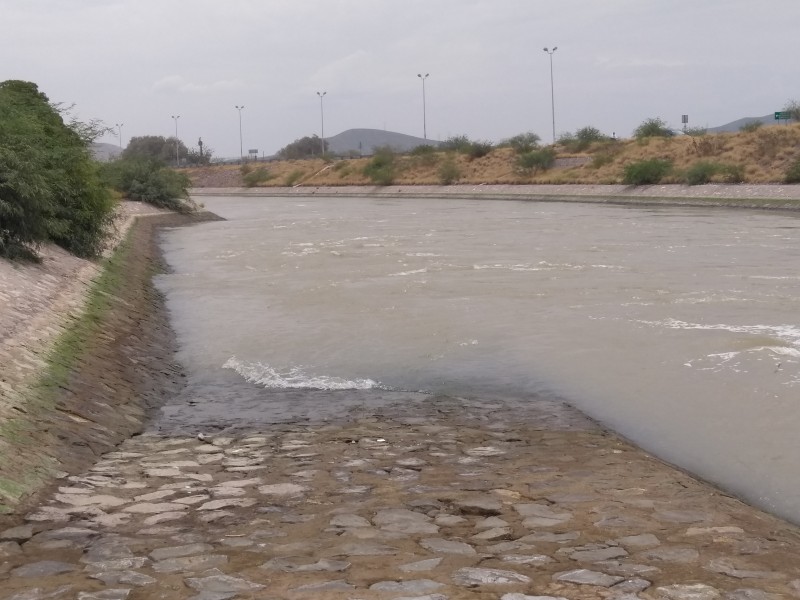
190	563
326	586
632	586
546	536
526	597
682	516
471	576
644	540
40	594
616	567
179	551
697	591
114	594
404	521
493	535
539	515
740	569
124	577
587	577
366	549
117	564
219	583
447	546
484	506
17	534
672	554
9	549
421	565
414	586
527	559
346	521
290	565
598	555
44	568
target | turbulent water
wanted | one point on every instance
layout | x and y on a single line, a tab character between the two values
677	327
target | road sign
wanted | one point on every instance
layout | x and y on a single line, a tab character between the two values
783	114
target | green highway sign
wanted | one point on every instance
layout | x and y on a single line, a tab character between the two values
784	114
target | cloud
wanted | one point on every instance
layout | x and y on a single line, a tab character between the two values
181	85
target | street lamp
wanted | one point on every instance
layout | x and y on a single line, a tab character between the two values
552	93
424	119
177	156
119	133
241	148
322	122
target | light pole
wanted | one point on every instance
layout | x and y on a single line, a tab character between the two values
552	93
119	133
177	147
241	148
424	116
322	122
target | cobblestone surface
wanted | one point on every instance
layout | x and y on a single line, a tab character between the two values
436	505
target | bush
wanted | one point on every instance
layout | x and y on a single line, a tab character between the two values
751	126
701	172
253	177
479	149
423	150
646	172
149	180
50	189
652	128
793	174
524	142
457	143
381	167
293	177
449	172
537	160
732	173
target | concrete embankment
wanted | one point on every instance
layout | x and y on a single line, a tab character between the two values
437	499
762	196
86	353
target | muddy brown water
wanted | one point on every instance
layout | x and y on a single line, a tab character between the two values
677	327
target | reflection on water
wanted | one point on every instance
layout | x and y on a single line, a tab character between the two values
678	327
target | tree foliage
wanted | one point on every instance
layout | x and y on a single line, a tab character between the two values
305	147
50	189
149	180
793	108
524	142
653	127
155	147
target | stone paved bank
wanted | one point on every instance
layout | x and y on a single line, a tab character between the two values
440	501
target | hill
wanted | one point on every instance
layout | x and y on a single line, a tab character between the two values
105	152
766	155
365	141
734	126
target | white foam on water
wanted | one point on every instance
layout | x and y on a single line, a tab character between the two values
404	273
293	378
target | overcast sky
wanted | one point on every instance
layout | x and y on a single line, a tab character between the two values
139	62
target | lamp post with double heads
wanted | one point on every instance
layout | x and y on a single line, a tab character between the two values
177	147
322	123
241	147
552	92
119	133
424	116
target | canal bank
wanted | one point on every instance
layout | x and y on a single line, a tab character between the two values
442	499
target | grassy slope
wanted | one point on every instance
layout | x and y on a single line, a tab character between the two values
764	155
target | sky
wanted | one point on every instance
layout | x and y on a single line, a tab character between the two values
140	62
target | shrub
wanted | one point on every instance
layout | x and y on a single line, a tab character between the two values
701	172
381	167
524	142
646	172
732	173
254	177
751	126
149	180
449	172
423	150
537	160
652	128
696	131
50	188
293	177
793	174
458	143
479	149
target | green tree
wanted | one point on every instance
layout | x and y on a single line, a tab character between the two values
305	147
50	189
653	127
524	142
156	147
793	108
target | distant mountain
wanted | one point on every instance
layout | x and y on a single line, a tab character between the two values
365	141
736	125
105	152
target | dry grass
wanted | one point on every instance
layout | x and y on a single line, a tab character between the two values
764	156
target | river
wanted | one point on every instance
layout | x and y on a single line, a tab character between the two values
677	327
